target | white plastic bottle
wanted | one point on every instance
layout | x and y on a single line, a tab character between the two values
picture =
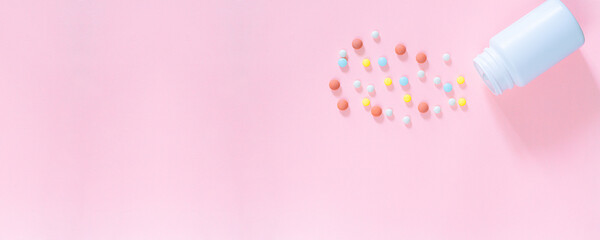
529	47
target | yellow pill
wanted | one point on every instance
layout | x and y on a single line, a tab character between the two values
366	102
366	62
460	80
387	81
462	101
407	98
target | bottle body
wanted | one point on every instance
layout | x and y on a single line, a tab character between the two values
529	47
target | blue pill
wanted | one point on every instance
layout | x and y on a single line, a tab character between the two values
403	81
406	120
343	53
447	87
382	61
370	88
356	84
342	62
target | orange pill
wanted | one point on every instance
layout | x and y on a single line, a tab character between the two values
376	111
423	107
342	104
421	57
357	43
334	84
400	49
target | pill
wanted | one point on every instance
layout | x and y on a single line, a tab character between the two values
376	111
462	101
421	74
366	62
343	53
342	62
342	104
452	101
382	61
403	81
447	87
366	102
437	80
460	80
389	112
407	98
357	43
370	88
423	107
421	57
406	119
375	34
400	49
387	81
334	84
356	84
437	109
446	57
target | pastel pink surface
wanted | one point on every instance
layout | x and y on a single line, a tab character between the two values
214	120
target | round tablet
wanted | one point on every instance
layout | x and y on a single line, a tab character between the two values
342	104
387	81
382	61
447	87
421	57
437	80
452	101
462	101
343	53
375	34
403	81
406	119
376	111
334	84
423	107
357	43
356	84
342	62
407	98
446	57
437	109
421	74
366	102
366	62
389	112
460	79
370	88
400	49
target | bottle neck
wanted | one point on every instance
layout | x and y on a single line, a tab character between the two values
492	69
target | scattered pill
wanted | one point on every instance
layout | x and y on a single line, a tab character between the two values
446	57
357	43
460	80
407	98
447	87
389	112
452	101
382	61
421	57
437	80
366	102
366	62
403	81
343	53
334	84
400	49
342	104
437	109
423	107
462	101
356	84
421	74
376	111
342	62
370	88
406	119
375	34
387	81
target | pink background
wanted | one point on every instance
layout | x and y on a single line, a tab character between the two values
190	119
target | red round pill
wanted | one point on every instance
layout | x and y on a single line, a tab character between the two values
421	57
334	84
357	43
423	107
342	104
400	49
376	111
